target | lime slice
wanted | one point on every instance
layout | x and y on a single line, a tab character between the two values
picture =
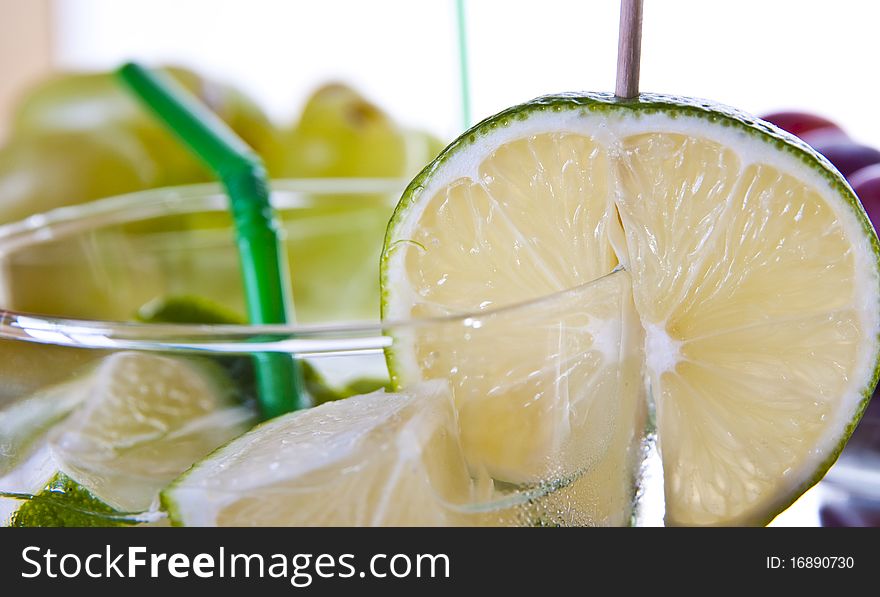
66	503
23	422
148	419
135	424
754	276
375	459
187	309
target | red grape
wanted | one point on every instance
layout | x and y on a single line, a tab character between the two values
848	156
825	136
864	175
798	123
866	184
851	513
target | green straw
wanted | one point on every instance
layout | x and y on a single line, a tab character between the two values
242	173
463	72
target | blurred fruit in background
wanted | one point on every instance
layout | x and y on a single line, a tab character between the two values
43	171
342	134
98	105
334	246
848	156
866	184
81	136
852	492
77	137
338	134
800	123
422	148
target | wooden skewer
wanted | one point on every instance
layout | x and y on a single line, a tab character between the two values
629	49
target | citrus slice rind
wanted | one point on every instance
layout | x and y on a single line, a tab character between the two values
754	273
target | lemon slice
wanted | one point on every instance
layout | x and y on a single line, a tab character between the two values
754	277
119	434
374	459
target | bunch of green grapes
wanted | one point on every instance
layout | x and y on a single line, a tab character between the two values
78	137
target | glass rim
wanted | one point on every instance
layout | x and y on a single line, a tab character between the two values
224	338
118	209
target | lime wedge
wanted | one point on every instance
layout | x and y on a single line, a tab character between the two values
187	309
22	423
125	431
754	279
374	459
66	503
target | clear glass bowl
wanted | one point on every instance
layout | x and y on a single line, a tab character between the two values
74	280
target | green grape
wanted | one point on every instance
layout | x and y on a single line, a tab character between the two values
433	145
243	116
45	171
333	247
78	102
341	134
422	148
83	275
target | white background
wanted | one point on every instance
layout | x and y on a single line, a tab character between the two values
758	55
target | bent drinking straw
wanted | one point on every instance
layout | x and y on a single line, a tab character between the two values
242	173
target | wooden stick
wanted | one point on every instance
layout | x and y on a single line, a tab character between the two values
629	49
